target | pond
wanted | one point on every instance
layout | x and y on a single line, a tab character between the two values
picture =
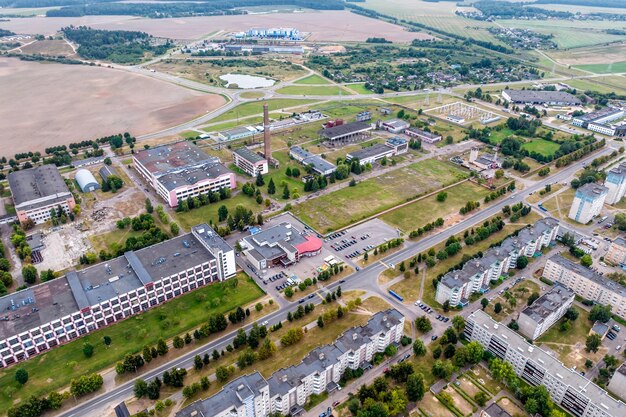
246	81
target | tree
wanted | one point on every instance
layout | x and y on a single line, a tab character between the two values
600	313
21	376
222	373
222	213
533	297
474	352
586	261
271	187
286	192
88	350
415	387
441	197
197	362
401	371
419	349
423	324
522	262
458	322
442	369
149	207
320	322
593	343
481	398
174	229
29	273
162	347
484	302
571	314
107	340
497	308
259	180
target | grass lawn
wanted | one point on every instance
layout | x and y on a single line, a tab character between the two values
510	407
251	94
541	146
207	213
604	84
324	90
256	107
350	204
312	79
469	387
558	205
604	68
497	136
520	293
55	369
481	376
426	210
433	407
359	88
115	237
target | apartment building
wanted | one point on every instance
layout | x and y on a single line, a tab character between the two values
616	184
617	384
182	170
457	286
617	252
574	393
250	162
55	312
289	388
588	202
39	191
586	283
537	318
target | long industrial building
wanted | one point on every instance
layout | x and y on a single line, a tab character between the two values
586	283
554	98
36	191
288	389
457	286
573	392
57	311
371	154
182	170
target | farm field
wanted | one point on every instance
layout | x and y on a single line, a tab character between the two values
313	79
256	107
55	369
306	90
87	94
208	70
600	54
54	47
350	204
335	26
604	68
581	9
603	84
426	210
541	146
570	34
359	88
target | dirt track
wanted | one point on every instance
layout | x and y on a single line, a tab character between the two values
47	104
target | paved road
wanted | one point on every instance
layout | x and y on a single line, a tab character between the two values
365	279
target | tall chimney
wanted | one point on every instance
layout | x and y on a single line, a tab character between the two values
267	151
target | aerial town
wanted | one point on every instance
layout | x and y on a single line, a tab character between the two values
326	209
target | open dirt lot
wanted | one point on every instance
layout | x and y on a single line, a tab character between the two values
53	104
54	47
591	55
323	26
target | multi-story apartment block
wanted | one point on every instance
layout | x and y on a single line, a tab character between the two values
617	384
588	202
182	170
39	191
250	162
574	393
616	183
617	252
58	311
457	286
320	371
537	318
586	283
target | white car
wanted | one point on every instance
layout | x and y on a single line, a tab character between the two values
265	323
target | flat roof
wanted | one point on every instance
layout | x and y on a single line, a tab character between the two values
550	364
591	190
424	133
272	243
319	164
175	157
548	303
541	96
599	114
345	129
190	176
396	123
107	171
494	410
249	155
589	274
370	151
210	237
37	183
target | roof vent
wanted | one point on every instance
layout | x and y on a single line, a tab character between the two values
354	336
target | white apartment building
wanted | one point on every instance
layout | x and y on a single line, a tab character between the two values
288	389
588	202
457	286
537	318
616	184
586	283
574	393
58	311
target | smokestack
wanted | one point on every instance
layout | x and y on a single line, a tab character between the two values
267	151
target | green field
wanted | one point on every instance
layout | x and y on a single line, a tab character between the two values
604	68
350	204
541	146
415	215
208	213
359	88
497	136
55	369
251	94
605	84
256	107
310	90
312	79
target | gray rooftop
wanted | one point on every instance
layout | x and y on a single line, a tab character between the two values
273	242
193	175
231	396
591	190
345	129
249	155
599	114
589	274
532	96
551	365
173	157
205	233
370	151
619	170
79	289
548	303
620	242
300	152
397	123
494	410
106	171
319	164
424	133
41	182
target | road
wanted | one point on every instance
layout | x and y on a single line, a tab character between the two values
365	279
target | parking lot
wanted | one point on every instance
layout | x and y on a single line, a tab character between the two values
352	243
